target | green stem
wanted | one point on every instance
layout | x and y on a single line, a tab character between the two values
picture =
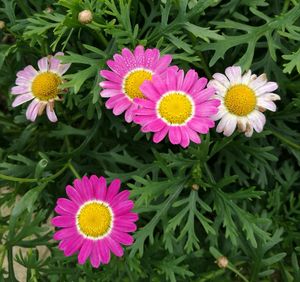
3	251
238	273
11	264
285	6
72	168
285	140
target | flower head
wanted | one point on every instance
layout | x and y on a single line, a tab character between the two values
129	71
95	220
243	99
85	17
42	87
177	105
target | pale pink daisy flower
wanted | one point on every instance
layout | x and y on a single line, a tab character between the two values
95	220
243	98
41	86
129	71
178	105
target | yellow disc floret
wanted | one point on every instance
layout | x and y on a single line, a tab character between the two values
45	86
94	219
240	100
133	81
175	108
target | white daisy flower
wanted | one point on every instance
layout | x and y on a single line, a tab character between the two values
243	99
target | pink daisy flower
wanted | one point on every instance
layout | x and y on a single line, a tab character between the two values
95	220
42	87
177	105
129	71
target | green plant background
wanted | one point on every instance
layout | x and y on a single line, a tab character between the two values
247	205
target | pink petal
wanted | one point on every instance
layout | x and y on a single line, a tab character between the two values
204	95
95	256
122	196
101	190
171	81
159	85
80	189
16	90
122	238
115	247
106	93
129	59
149	90
162	64
43	64
189	80
74	245
180	79
154	126
33	110
63	221
123	208
121	106
207	108
129	114
85	251
27	73
111	102
151	58
193	135
124	226
113	189
175	135
88	187
139	55
111	76
160	135
23	98
65	233
67	205
104	251
198	86
111	85
119	69
51	114
74	195
145	103
185	139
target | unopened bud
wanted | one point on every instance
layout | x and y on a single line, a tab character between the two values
49	10
85	17
222	262
195	187
2	24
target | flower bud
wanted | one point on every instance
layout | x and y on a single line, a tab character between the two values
85	17
222	262
195	187
2	24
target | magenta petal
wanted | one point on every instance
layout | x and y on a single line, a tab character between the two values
204	95
113	189
139	55
95	256
198	86
104	251
107	93
149	90
23	89
74	195
32	110
65	233
63	221
67	205
122	238
180	78
171	82
125	226
145	103
85	251
115	247
193	135
130	112
88	187
175	135
74	245
121	106
122	196
80	189
101	190
128	58
131	216
120	69
123	207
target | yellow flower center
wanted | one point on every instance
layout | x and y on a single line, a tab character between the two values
133	81
175	108
45	86
94	219
240	100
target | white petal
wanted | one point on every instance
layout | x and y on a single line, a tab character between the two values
43	64
269	105
257	120
222	79
51	114
246	78
258	82
234	74
267	88
230	126
220	88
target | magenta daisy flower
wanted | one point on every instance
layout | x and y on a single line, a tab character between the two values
129	71
95	220
42	87
177	105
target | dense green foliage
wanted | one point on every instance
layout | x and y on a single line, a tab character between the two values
247	206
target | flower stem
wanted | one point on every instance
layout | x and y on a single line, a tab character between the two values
72	168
